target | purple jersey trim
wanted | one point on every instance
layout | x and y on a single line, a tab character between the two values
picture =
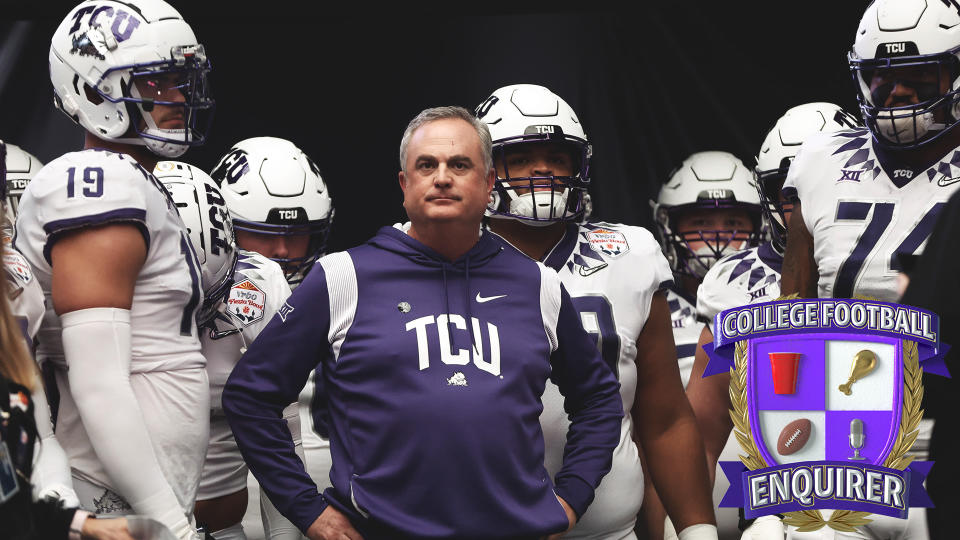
561	252
768	254
134	216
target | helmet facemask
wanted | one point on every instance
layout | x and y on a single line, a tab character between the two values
696	251
932	79
540	200
295	269
156	84
769	184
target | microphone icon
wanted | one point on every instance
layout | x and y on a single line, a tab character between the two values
856	438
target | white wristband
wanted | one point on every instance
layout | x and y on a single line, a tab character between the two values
76	524
701	531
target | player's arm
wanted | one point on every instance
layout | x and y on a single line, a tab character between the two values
95	271
709	398
265	381
666	428
592	401
800	274
51	472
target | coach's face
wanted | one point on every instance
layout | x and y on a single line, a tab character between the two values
445	178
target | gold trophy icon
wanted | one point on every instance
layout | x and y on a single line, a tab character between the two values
864	362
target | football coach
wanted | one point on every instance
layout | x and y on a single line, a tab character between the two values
432	347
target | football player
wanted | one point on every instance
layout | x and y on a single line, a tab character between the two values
751	276
281	208
113	258
707	209
242	291
616	276
279	203
21	168
864	196
51	472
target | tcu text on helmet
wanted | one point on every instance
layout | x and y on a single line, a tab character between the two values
121	31
216	202
232	167
441	325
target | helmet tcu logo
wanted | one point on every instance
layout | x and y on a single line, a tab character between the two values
484	107
231	167
543	130
215	200
121	16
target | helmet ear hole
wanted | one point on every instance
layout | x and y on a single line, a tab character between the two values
92	95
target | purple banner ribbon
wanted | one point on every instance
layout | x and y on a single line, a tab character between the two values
843	486
822	315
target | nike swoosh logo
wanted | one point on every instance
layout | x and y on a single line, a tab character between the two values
588	271
482	299
947	181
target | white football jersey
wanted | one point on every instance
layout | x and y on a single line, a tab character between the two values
259	289
686	331
611	272
25	296
96	187
746	277
862	208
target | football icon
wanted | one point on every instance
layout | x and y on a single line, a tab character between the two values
794	436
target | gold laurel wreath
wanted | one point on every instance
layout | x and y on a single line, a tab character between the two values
840	520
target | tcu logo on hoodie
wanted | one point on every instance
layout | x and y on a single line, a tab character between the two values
443	324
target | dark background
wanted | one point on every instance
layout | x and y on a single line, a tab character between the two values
651	84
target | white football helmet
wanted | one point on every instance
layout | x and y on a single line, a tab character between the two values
203	211
21	166
525	113
272	187
706	180
103	47
924	35
780	147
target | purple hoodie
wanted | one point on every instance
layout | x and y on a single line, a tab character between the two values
432	373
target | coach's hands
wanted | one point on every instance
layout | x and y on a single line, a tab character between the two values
571	518
332	525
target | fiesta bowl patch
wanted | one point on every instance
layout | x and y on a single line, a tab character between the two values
246	302
607	242
17	265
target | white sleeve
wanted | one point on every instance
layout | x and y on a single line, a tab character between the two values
85	189
96	344
51	473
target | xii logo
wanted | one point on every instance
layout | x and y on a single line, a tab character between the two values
850	175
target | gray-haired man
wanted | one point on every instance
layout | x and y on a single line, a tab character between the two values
434	346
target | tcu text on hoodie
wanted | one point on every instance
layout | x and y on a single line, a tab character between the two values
433	372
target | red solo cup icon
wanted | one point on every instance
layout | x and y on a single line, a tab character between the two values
784	366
